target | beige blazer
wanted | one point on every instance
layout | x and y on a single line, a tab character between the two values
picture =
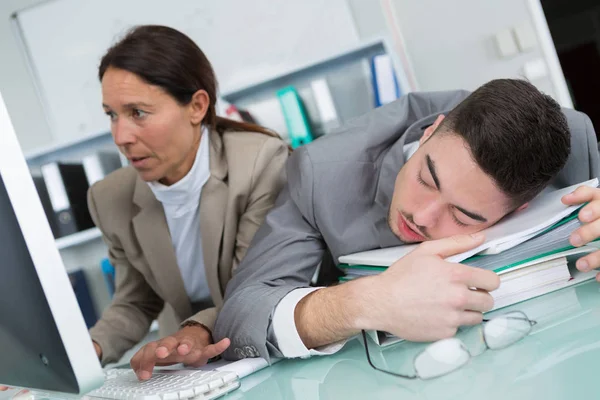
246	176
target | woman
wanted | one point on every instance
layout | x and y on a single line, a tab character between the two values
179	219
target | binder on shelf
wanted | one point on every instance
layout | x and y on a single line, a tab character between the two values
385	83
100	164
84	298
67	186
42	191
296	119
109	275
325	104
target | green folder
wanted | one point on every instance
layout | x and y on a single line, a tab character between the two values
295	116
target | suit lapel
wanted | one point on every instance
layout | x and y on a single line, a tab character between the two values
213	205
152	231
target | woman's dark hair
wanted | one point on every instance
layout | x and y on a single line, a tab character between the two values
167	58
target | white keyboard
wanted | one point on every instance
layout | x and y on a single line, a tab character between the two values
122	384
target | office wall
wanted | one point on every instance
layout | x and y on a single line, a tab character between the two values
16	86
28	118
450	43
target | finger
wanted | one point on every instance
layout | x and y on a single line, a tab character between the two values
589	212
581	195
473	277
186	345
135	360
587	233
166	346
199	362
479	300
598	277
201	357
3	388
147	361
471	318
196	358
589	262
216	349
483	279
450	246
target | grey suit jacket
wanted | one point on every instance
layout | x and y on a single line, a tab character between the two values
337	197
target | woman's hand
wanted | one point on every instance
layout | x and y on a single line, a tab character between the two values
98	350
191	345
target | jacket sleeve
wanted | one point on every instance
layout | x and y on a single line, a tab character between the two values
133	308
283	256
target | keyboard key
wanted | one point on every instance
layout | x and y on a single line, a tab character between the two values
186	393
201	389
229	377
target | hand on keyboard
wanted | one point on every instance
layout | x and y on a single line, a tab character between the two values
192	345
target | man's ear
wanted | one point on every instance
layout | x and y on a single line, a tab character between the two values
429	131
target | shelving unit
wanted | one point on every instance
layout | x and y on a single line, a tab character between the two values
320	68
72	151
78	238
348	76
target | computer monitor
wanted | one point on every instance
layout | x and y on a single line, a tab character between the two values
44	340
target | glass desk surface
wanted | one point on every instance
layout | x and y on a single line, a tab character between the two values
560	359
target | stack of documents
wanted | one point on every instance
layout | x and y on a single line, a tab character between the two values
529	250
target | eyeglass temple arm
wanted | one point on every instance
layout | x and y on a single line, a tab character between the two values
531	322
364	336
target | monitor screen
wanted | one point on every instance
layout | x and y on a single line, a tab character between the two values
45	343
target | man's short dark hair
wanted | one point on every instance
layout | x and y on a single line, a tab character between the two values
516	134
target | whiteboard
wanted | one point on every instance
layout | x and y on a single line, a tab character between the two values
247	41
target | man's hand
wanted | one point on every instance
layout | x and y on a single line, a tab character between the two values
4	388
590	231
191	345
421	297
